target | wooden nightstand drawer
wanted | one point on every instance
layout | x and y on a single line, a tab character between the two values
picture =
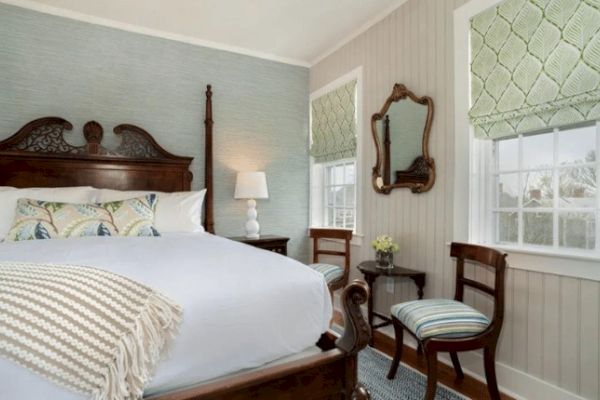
274	243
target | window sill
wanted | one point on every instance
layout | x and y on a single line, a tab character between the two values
571	264
569	255
357	238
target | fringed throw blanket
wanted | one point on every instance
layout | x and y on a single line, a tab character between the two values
87	329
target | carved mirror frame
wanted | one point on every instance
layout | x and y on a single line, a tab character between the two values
420	176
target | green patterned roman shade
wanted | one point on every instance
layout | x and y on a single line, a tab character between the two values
334	124
535	64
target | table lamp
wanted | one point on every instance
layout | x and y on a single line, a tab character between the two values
251	186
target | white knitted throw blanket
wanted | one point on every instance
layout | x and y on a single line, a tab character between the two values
90	330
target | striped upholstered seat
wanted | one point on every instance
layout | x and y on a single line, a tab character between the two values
440	318
331	272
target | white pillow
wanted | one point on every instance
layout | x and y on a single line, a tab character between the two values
175	212
10	195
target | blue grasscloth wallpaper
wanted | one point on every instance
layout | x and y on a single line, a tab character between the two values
53	66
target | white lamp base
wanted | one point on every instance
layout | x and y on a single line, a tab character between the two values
252	226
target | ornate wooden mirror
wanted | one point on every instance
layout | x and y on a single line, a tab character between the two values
401	133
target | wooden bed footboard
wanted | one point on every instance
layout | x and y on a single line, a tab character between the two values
331	374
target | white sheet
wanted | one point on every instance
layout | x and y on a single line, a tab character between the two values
242	306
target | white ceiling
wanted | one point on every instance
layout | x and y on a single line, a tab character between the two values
293	31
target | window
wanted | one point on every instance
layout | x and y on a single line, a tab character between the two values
334	152
544	190
485	212
339	205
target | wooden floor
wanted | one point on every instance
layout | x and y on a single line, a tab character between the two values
469	386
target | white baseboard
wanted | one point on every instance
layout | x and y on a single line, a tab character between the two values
516	383
512	381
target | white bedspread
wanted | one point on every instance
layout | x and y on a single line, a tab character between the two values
243	307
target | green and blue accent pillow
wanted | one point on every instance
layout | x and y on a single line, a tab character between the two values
36	219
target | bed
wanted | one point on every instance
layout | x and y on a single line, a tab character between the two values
252	340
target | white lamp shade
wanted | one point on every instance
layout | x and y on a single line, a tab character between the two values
251	185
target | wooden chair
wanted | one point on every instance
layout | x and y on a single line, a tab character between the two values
461	328
336	276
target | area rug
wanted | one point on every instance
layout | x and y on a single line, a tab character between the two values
407	385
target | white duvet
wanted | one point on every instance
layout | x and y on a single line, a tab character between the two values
243	307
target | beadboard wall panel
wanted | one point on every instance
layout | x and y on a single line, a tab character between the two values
56	66
551	323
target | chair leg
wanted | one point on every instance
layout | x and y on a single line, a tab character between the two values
456	364
489	355
431	375
399	335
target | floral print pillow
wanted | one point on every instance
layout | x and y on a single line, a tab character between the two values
36	219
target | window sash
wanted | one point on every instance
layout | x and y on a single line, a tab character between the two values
557	211
344	205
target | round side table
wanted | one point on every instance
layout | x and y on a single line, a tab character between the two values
371	272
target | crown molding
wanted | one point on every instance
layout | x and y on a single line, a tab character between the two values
78	16
363	28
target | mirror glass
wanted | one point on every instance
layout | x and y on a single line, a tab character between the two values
401	133
406	125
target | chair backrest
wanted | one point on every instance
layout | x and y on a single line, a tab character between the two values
332	233
483	256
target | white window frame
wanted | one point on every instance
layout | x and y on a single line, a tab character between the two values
317	170
472	166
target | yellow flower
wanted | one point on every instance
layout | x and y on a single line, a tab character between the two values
384	243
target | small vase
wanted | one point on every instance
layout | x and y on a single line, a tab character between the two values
384	259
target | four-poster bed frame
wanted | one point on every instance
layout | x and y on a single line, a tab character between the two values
39	156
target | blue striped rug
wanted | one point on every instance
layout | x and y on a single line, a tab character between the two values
407	385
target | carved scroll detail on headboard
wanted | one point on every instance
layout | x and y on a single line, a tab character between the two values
46	135
136	142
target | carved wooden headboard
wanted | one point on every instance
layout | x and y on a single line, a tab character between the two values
39	156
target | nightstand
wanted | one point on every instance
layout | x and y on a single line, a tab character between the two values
275	243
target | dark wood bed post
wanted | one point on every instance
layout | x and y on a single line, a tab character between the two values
209	222
356	335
